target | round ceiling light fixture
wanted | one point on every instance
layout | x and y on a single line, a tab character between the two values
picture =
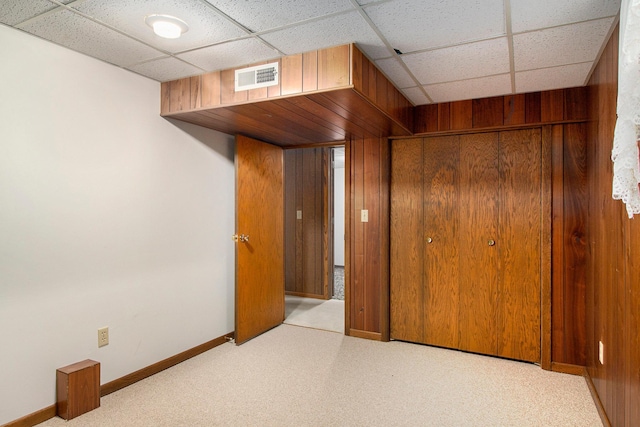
166	26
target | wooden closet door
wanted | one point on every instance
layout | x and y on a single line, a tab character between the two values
441	235
407	244
479	274
518	315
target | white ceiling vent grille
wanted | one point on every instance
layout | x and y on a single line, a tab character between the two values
258	76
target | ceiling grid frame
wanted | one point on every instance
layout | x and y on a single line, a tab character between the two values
524	22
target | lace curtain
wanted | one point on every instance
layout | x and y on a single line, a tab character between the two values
626	163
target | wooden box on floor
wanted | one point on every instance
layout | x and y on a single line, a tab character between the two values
78	389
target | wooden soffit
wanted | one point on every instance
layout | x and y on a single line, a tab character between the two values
323	96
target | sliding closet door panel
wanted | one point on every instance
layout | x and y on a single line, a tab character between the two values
407	246
479	244
520	246
441	235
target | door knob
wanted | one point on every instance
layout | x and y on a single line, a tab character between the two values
492	242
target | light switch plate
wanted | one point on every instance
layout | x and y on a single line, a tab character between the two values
298	214
364	215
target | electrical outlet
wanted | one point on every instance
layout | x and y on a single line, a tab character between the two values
601	352
103	337
364	215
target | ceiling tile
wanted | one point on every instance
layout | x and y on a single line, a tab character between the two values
469	89
416	96
332	31
14	12
552	78
460	62
529	15
206	26
568	44
412	25
260	15
165	69
396	72
229	55
83	35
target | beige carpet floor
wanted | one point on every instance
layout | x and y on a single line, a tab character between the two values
294	376
315	313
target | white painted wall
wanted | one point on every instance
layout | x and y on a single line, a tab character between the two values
338	203
109	216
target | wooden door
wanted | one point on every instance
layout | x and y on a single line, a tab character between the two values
260	216
407	243
466	242
479	225
442	240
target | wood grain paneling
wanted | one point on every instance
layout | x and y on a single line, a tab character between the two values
379	90
461	115
165	98
441	237
407	219
318	84
470	275
320	117
514	110
552	106
310	71
479	261
613	259
228	94
570	215
488	112
369	248
563	105
334	69
532	109
519	245
291	74
291	178
211	89
306	247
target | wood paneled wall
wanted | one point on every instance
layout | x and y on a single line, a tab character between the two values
326	95
375	86
367	175
502	111
303	73
613	273
308	253
566	111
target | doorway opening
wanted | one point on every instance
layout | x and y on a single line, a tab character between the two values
314	237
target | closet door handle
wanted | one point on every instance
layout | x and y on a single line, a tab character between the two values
429	240
492	242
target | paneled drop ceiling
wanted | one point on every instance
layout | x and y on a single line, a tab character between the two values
450	50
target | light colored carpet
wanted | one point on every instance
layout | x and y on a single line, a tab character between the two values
314	313
292	376
338	282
